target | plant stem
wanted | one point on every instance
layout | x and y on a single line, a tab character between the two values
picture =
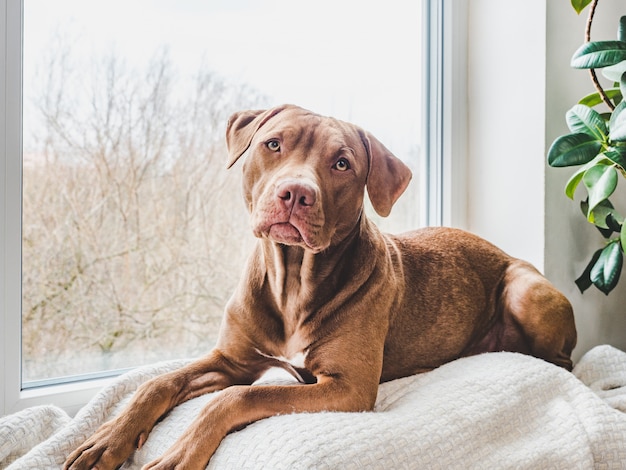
592	72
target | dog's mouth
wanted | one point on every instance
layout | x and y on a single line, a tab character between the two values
286	233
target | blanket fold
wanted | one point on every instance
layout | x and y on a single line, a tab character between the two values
496	410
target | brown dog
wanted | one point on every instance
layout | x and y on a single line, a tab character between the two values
329	298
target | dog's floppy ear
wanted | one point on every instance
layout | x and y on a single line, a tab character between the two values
241	128
388	176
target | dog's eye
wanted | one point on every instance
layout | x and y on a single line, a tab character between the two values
273	145
342	165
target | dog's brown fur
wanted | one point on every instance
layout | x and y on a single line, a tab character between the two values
332	300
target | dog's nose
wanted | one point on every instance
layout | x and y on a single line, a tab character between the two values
296	193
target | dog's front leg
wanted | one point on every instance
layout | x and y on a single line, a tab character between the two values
238	406
116	440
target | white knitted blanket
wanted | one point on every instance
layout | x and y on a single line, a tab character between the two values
493	411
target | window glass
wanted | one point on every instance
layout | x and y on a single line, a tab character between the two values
134	233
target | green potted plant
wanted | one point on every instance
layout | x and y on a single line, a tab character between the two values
597	145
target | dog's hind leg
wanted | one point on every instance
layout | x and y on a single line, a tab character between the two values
542	313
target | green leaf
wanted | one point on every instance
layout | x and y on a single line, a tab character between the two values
583	119
576	178
615	72
573	149
573	182
614	222
621	30
616	112
598	54
599	214
584	281
605	273
622	237
606	232
600	181
617	123
595	99
618	133
617	155
579	5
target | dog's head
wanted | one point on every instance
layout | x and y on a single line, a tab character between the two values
305	175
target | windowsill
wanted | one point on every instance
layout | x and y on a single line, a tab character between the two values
69	396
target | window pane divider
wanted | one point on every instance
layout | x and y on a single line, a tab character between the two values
10	203
444	171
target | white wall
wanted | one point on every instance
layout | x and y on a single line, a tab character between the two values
520	85
506	125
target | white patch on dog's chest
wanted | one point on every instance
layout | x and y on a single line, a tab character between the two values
290	364
297	360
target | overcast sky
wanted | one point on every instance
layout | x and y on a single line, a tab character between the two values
357	60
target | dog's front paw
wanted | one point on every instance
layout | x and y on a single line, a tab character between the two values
187	453
176	461
107	449
168	462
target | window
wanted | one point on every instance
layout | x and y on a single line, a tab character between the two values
124	234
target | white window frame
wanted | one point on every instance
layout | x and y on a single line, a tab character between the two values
443	174
445	114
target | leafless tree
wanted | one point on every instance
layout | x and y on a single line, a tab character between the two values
133	232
